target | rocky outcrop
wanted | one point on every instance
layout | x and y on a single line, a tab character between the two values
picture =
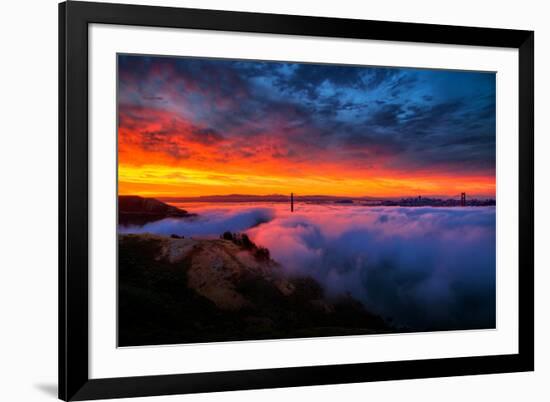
136	210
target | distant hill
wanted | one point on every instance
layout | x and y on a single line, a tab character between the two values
263	198
323	199
136	210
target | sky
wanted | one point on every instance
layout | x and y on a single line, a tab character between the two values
194	126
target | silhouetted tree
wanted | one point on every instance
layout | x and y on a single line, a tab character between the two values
246	242
262	254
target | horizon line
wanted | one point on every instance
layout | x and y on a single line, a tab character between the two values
434	196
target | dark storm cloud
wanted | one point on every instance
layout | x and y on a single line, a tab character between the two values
307	78
386	116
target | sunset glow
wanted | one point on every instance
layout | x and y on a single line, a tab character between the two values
192	127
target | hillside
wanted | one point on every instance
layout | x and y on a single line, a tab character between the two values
176	290
136	210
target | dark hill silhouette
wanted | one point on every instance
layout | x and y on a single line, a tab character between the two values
136	210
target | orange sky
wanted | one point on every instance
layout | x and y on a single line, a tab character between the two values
204	172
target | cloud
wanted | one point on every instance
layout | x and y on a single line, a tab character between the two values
387	115
307	78
206	136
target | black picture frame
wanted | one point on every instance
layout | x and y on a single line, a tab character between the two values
74	380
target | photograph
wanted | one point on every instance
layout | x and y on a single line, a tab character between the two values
268	199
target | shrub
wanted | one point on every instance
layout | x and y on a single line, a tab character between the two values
246	242
262	254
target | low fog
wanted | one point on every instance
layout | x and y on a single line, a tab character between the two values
208	224
424	268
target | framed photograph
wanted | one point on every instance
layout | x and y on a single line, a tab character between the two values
256	201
